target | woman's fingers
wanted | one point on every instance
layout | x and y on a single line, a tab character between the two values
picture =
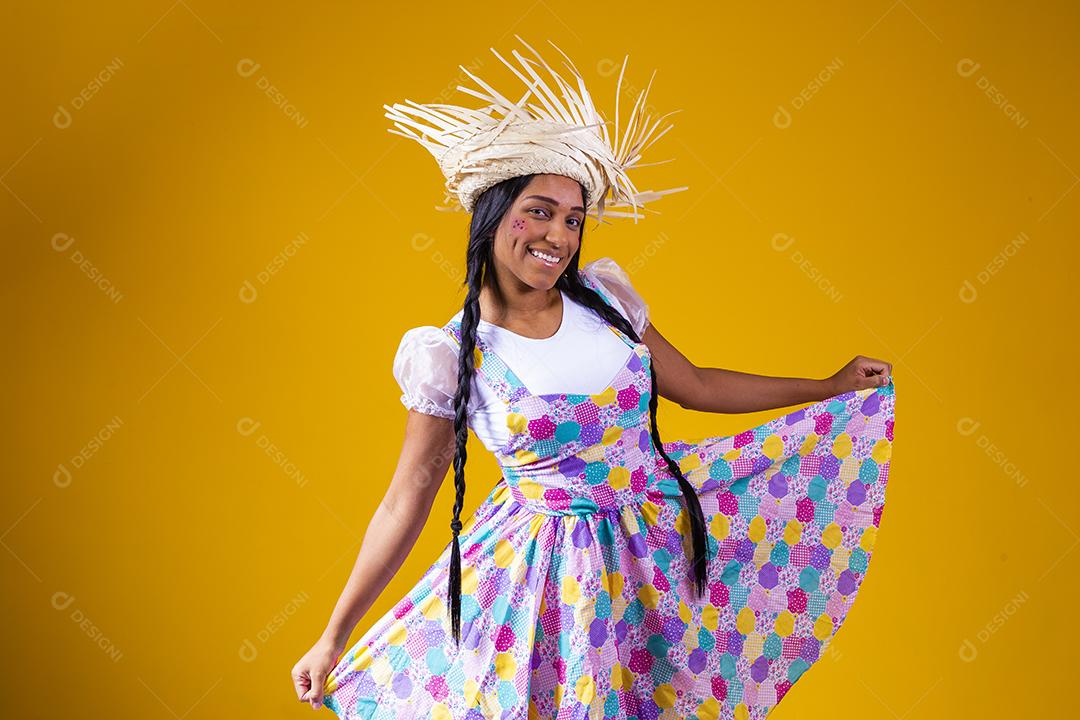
301	683
876	372
310	673
315	694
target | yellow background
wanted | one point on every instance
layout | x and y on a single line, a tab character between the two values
206	284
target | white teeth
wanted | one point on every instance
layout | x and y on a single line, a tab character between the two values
544	256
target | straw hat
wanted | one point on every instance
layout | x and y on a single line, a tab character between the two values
561	134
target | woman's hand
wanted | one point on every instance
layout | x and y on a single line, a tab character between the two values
309	674
862	372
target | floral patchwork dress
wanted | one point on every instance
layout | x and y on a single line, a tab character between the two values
577	598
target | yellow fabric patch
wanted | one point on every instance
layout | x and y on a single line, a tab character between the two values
832	535
809	443
762	551
472	693
504	553
842	445
650	511
439	711
664	695
605	398
362	661
648	595
733	454
505	666
823	627
745	621
869	537
467	525
793	532
517	423
682	522
882	451
397	633
720	527
709	710
585	689
849	469
840	559
615	584
433	608
470	581
689	462
611	435
756	531
571	590
773	447
618	478
710	617
753	646
622	678
530	490
785	623
524	457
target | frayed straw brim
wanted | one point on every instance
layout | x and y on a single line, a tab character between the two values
561	134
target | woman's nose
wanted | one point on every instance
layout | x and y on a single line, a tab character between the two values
559	236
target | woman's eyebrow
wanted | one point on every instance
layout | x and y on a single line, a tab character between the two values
553	202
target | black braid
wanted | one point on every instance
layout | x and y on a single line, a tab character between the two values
490	208
583	295
461	432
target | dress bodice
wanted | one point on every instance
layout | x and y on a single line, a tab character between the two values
570	453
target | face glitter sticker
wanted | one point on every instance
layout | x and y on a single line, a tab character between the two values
519	224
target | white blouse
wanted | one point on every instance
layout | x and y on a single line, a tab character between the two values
426	364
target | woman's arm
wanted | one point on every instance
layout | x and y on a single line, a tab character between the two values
725	391
426	455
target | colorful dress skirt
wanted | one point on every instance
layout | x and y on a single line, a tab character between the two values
577	596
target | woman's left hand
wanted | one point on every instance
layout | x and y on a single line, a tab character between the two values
860	373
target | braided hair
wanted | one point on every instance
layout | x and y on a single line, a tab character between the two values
488	212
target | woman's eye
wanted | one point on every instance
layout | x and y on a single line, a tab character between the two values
545	214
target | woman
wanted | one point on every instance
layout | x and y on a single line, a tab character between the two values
608	573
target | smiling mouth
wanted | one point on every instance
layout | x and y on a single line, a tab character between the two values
548	260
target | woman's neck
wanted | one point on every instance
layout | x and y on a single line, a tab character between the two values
525	312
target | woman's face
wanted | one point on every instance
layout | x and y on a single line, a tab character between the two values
545	218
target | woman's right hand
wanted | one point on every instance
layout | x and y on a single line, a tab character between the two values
309	674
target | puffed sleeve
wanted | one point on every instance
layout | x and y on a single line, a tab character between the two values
617	283
425	368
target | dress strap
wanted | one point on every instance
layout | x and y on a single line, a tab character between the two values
491	367
600	290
